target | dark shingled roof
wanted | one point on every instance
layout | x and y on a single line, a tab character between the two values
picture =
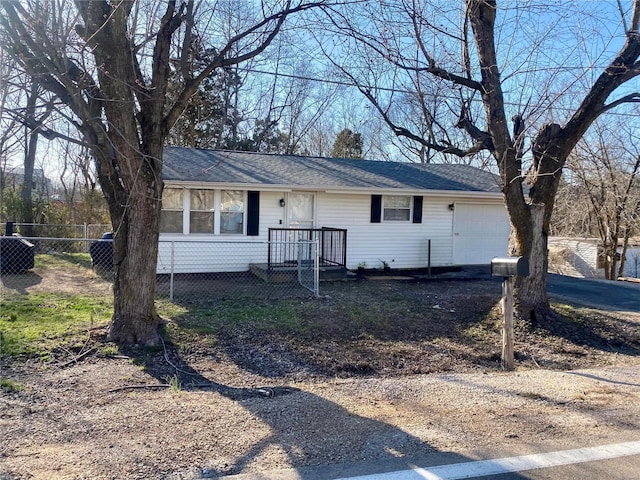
256	169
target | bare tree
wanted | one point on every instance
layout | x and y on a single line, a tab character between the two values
8	135
604	176
110	63
34	118
516	84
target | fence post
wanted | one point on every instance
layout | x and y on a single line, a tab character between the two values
316	270
172	270
85	237
508	362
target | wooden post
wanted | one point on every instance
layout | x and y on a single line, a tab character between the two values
508	362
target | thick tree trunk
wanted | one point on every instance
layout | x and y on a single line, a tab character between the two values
135	320
529	239
134	316
531	291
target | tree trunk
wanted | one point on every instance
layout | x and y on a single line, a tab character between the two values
135	320
31	144
623	255
26	193
135	251
531	292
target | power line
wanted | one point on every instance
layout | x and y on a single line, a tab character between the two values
343	83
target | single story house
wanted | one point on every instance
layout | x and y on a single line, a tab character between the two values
402	215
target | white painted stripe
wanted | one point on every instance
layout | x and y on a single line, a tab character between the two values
498	466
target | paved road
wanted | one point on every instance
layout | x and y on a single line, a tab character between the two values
607	294
617	296
619	461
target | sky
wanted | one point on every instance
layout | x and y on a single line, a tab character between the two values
538	68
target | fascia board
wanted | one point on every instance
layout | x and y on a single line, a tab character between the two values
339	191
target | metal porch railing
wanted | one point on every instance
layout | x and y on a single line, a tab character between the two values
332	244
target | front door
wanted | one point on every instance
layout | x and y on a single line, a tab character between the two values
300	214
301	210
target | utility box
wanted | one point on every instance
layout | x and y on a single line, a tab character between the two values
510	267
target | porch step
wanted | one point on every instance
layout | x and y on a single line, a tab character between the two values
287	274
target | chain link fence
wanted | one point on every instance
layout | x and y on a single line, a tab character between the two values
217	270
86	231
187	271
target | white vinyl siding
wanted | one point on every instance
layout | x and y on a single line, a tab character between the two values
221	253
401	244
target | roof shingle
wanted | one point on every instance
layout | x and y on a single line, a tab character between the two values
255	169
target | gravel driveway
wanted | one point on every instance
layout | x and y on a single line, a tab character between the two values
120	417
67	425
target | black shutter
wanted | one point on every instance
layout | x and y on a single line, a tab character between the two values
417	209
253	213
376	208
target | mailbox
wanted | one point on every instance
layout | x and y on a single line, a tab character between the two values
510	267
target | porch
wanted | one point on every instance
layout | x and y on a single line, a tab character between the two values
289	251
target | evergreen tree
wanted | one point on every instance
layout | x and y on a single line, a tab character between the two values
348	144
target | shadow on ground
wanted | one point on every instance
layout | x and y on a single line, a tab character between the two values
320	438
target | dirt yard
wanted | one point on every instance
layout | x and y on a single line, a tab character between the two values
375	369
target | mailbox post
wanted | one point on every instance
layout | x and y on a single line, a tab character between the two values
508	268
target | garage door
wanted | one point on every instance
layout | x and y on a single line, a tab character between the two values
480	232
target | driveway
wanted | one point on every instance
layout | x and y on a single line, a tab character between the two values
610	295
605	294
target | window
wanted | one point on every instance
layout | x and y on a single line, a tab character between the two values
171	215
201	211
212	212
396	208
232	211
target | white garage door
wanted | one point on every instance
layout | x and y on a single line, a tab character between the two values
480	232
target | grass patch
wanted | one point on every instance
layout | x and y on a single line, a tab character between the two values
63	260
166	309
276	317
34	325
9	386
109	350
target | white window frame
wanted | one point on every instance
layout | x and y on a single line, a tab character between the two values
189	210
396	220
219	211
183	210
217	199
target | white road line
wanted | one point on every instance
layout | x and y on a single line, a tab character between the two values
498	466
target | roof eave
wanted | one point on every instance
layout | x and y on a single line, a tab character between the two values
334	190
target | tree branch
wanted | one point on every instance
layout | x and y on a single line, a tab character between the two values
623	68
191	86
631	98
403	132
482	16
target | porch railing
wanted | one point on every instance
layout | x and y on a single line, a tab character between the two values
332	244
